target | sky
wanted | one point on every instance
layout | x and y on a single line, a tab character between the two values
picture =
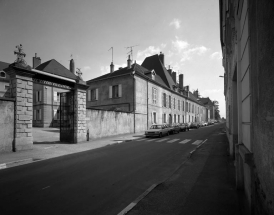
185	31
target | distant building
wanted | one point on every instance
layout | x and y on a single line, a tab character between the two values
210	115
148	90
246	33
4	80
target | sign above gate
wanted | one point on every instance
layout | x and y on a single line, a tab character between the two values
52	84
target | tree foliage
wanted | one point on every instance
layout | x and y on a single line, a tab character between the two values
217	111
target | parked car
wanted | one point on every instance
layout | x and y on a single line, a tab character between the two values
205	123
194	125
157	130
183	126
170	128
201	124
176	128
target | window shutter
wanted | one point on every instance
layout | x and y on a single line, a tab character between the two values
40	97
120	90
36	96
88	95
110	92
40	114
34	114
96	94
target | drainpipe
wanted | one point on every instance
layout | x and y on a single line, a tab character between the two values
134	123
147	103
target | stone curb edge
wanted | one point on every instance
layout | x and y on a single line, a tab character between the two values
190	153
15	163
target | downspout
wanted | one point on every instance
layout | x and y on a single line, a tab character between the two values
147	103
134	123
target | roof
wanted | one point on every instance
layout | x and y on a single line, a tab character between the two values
3	65
206	101
154	62
54	67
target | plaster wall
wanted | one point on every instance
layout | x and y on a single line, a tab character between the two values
6	125
124	103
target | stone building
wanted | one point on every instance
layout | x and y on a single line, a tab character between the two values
247	32
150	91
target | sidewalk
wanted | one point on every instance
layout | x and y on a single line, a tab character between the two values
44	150
205	184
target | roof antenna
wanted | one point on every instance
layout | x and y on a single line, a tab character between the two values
131	50
111	54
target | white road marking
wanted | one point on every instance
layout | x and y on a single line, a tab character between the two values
151	140
161	140
185	141
45	187
197	142
174	140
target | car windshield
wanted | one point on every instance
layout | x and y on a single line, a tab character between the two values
156	127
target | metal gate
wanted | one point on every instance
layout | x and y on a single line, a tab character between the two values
67	117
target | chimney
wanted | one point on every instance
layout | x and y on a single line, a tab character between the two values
174	74
129	62
36	61
181	81
111	67
169	70
71	66
162	58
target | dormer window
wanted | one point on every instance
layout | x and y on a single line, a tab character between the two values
2	74
153	74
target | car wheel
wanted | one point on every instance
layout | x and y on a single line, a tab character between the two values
160	135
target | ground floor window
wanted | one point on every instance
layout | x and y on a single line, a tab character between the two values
174	118
164	118
178	118
154	117
183	119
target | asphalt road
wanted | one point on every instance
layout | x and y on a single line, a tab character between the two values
100	181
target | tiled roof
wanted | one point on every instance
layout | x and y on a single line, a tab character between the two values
153	62
54	67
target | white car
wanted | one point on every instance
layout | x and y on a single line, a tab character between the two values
205	123
157	130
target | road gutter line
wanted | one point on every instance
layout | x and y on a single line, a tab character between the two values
190	153
132	204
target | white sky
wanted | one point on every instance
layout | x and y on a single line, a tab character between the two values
186	31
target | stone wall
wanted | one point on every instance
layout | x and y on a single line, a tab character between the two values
101	123
80	115
6	125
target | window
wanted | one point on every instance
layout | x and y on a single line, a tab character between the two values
38	96
174	101
179	118
189	110
154	117
192	108
93	95
186	106
174	118
169	101
154	95
37	114
56	96
164	118
2	74
164	100
183	106
183	118
179	105
7	86
115	91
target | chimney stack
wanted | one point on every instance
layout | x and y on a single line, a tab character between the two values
71	66
174	74
169	70
181	81
111	67
36	61
162	58
129	62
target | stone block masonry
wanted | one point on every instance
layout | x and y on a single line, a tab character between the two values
80	116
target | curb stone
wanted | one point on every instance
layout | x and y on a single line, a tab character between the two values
15	163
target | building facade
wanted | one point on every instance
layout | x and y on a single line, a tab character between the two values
247	32
150	91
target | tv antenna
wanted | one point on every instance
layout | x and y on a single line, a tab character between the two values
131	50
111	54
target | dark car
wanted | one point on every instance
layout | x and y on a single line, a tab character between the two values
183	126
176	128
170	128
194	125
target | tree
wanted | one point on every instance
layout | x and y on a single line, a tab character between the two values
216	109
